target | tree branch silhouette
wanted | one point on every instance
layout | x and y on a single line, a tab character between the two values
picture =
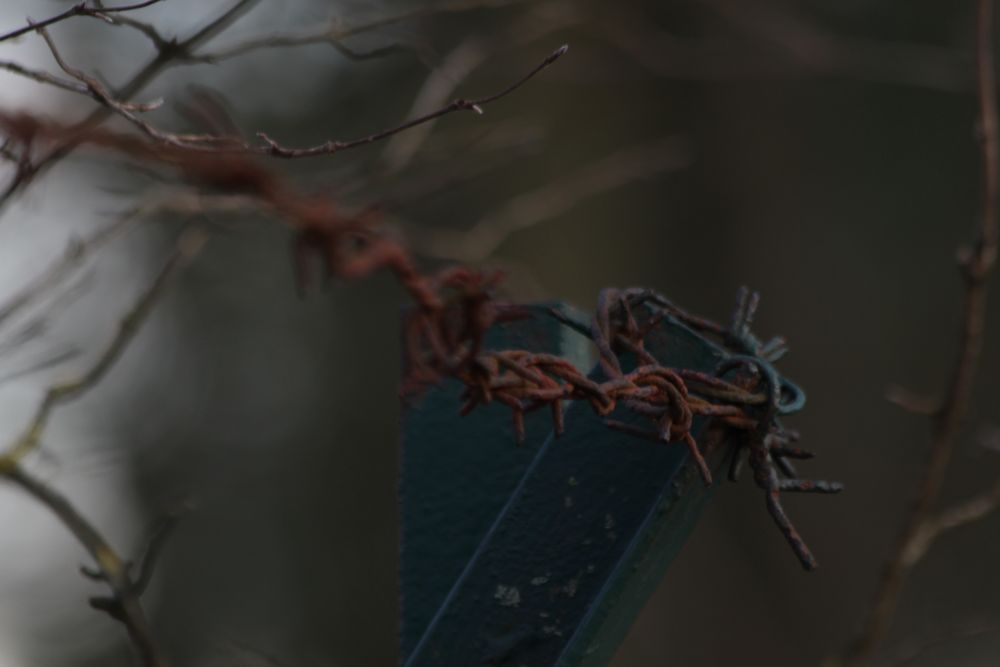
976	262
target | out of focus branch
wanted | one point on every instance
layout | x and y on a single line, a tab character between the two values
810	47
962	514
166	54
543	19
80	251
124	604
76	253
781	44
977	262
64	392
438	87
220	144
126	110
43	77
336	31
553	199
147	29
334	35
915	649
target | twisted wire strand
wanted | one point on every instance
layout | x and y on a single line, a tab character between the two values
444	333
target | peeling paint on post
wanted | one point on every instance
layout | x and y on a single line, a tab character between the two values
559	571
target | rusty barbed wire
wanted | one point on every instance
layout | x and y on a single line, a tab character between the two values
444	333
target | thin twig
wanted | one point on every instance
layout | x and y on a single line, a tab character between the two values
553	199
229	145
6	153
166	54
124	605
333	35
442	168
977	263
531	26
335	32
121	19
461	104
43	77
919	647
155	541
64	392
805	47
110	565
79	251
211	143
101	94
36	323
79	9
439	86
208	143
934	526
46	362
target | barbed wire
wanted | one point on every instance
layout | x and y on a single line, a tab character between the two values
444	333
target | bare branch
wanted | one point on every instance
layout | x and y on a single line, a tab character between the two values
215	27
62	393
333	36
988	437
37	322
553	199
500	145
155	541
914	649
543	19
173	51
220	144
43	77
781	44
45	362
79	9
79	251
911	402
121	19
335	31
124	604
126	110
461	104
126	607
809	48
6	153
977	263
933	527
439	86
166	55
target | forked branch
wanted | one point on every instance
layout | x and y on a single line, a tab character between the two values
79	9
124	604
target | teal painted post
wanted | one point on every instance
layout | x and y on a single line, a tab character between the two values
458	472
570	557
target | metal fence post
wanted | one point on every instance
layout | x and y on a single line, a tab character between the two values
543	555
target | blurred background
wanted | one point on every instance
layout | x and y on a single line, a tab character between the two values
821	152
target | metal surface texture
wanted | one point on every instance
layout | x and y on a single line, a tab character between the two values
457	473
557	573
